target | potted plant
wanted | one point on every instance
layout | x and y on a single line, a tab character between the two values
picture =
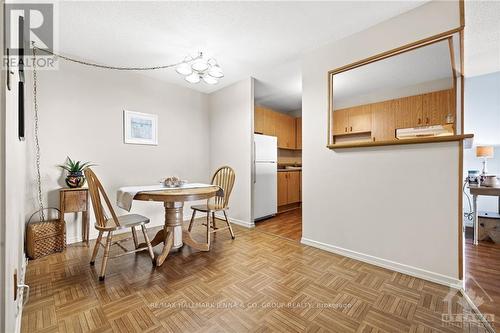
75	177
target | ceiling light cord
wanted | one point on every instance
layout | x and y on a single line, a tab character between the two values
118	68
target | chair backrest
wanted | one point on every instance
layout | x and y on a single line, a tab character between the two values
223	177
96	191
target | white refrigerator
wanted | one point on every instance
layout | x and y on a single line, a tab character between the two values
265	177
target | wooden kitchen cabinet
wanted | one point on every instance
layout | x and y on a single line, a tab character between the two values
285	130
293	188
357	119
298	131
289	135
269	122
436	106
360	119
426	109
289	186
300	186
384	120
282	188
409	112
340	122
258	122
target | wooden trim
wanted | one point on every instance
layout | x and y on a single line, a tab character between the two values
447	138
461	5
460	210
452	56
402	49
330	109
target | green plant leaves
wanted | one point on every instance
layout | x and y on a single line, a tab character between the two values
75	166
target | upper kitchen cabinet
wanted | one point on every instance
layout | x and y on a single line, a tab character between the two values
406	95
298	131
353	120
265	121
285	130
269	122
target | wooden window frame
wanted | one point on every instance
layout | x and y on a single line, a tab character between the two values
458	135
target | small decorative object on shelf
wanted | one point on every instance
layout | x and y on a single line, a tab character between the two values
173	182
75	177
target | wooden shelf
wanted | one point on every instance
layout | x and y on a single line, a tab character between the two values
447	138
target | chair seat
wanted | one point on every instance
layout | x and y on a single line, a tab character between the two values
208	208
125	221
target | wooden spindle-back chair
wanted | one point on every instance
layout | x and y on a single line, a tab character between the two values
109	225
224	177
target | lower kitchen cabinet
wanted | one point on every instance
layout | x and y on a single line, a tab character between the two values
289	187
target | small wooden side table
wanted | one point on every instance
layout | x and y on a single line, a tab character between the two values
75	200
477	191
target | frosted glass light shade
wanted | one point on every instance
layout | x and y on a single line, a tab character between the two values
193	78
210	80
184	69
216	71
200	65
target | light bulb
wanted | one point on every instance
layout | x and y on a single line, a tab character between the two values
193	78
184	69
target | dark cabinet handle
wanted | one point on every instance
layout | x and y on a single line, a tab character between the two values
419	121
427	120
351	129
346	129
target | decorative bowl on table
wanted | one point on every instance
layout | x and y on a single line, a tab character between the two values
173	182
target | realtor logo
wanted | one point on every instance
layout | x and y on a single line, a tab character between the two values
28	23
38	25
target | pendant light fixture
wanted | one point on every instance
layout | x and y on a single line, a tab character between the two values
199	69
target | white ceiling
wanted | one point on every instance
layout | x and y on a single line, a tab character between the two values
482	37
259	39
414	72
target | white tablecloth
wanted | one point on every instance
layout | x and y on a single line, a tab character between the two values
125	195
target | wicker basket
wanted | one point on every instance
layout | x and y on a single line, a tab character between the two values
45	237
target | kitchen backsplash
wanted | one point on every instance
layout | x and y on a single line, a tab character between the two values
286	156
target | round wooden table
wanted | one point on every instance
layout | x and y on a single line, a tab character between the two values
173	200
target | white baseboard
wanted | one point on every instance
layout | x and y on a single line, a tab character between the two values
392	265
242	223
93	232
20	300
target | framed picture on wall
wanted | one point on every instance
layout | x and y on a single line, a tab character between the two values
140	128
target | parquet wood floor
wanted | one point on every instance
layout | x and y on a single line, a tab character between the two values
482	275
256	283
287	224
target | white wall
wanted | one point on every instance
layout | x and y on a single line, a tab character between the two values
231	140
482	117
482	108
81	116
385	93
13	168
394	206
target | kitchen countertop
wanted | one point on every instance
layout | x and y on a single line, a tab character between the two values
294	169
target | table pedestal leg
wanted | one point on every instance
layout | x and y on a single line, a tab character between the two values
173	221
